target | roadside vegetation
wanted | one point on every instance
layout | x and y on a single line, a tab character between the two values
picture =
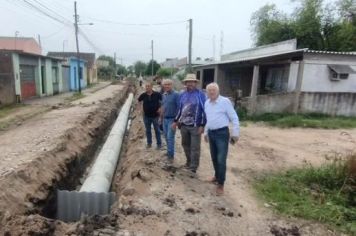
6	110
75	96
311	120
326	194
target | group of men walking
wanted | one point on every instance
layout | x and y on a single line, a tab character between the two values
195	114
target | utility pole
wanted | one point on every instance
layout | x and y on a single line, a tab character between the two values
77	42
115	65
190	45
152	58
214	45
39	41
221	43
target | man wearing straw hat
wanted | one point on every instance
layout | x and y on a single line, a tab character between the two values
191	119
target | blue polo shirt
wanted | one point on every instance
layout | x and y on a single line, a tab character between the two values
170	104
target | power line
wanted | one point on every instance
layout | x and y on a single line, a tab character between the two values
38	9
137	24
54	12
86	38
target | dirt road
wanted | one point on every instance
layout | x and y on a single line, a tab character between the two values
50	151
160	201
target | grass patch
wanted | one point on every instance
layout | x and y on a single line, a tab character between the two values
6	110
285	120
74	97
326	194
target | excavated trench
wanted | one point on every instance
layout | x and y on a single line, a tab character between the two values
78	168
77	152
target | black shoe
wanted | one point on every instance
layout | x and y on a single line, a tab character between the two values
148	145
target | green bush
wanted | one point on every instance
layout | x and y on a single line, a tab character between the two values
326	194
311	120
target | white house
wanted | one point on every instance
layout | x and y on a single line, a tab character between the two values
281	78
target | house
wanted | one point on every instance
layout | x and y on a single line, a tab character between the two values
170	63
281	78
23	44
70	74
26	75
91	65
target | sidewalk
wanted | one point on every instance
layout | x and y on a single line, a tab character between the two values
16	115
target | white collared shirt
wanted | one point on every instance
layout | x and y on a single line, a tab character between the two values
219	114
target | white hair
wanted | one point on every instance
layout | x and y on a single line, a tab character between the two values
213	86
167	81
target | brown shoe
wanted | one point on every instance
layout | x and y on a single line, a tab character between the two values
220	190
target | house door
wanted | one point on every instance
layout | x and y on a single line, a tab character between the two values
28	83
43	76
55	80
208	77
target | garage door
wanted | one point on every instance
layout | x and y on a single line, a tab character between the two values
28	84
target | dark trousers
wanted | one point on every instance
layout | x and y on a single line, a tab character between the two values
191	145
148	123
219	145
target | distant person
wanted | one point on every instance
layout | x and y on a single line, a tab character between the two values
140	79
170	104
151	109
219	113
191	118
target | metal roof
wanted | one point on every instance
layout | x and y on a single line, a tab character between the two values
286	53
244	59
331	52
20	52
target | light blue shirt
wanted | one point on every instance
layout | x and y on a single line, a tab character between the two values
219	114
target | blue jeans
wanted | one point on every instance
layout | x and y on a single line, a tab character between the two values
148	123
169	135
219	145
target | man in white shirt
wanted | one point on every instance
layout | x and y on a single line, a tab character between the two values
219	113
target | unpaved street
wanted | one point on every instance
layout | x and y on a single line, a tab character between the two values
37	158
162	201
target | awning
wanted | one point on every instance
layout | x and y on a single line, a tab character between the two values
342	69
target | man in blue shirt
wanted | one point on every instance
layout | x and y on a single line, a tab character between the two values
219	113
191	118
170	105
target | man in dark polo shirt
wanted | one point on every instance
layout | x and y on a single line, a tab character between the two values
151	109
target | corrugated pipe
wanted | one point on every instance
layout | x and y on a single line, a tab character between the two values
94	196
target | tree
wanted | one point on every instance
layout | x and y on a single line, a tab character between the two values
308	27
166	72
271	26
156	67
140	68
121	69
314	24
109	71
131	70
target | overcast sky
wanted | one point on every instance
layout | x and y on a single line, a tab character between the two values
133	42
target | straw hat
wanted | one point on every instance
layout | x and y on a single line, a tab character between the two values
190	77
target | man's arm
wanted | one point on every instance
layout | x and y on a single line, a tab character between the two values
234	119
179	112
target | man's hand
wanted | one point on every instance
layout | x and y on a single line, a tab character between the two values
200	130
206	138
234	140
174	125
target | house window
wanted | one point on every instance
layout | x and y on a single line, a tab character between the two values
344	76
334	75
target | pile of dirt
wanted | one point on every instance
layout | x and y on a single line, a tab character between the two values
31	189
